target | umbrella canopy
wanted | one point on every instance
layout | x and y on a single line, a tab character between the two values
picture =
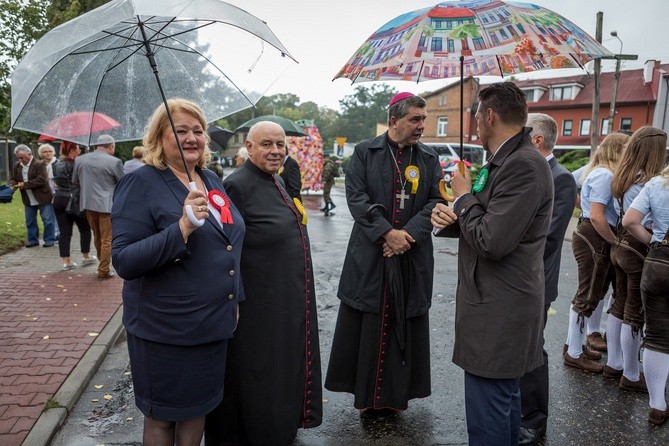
472	37
288	126
127	56
395	287
493	37
77	124
219	137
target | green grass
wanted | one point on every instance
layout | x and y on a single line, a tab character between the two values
13	225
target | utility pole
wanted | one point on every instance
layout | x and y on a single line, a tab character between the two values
594	122
620	56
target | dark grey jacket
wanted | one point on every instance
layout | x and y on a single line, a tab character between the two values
500	295
563	208
369	180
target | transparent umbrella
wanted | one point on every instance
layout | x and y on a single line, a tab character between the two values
124	58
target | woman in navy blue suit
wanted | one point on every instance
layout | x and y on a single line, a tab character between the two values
182	285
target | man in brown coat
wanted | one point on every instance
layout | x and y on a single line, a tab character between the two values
502	223
29	175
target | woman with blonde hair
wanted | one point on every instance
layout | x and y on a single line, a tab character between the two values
178	309
653	203
643	159
591	244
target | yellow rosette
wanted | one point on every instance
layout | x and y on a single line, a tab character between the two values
280	170
412	175
300	208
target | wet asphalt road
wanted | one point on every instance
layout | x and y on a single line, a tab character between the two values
585	409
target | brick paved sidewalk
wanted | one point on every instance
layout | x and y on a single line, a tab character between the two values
48	321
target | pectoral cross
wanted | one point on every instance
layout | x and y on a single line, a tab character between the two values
402	196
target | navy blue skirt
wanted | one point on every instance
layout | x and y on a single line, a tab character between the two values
177	382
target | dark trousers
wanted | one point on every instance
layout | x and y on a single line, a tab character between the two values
493	411
65	223
655	298
534	392
592	254
627	256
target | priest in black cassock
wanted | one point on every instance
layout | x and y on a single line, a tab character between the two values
397	171
273	372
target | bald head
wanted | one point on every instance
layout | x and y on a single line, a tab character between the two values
266	144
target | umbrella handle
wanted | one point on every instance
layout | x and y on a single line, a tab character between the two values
189	209
443	193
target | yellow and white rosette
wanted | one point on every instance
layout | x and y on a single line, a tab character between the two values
301	210
412	175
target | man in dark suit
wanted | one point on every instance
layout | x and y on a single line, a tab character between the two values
502	223
29	175
534	385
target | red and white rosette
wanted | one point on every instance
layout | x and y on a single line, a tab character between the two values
222	203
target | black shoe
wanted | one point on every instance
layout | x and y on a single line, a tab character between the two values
324	208
530	437
47	245
31	245
332	205
378	414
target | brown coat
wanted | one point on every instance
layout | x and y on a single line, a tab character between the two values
500	295
38	182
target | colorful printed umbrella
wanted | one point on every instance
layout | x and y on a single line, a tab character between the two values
493	37
473	38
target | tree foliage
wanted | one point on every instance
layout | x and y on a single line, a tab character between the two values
362	110
22	23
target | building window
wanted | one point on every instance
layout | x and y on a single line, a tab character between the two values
585	127
626	124
442	98
442	126
451	45
436	44
560	93
567	127
530	95
605	127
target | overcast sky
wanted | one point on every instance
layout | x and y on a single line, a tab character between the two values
323	34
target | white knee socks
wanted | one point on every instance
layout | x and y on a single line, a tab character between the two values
613	348
595	320
630	345
656	370
574	335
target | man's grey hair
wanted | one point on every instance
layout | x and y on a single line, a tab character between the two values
243	153
545	126
401	108
105	140
22	148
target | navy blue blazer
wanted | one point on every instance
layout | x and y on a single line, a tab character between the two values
174	292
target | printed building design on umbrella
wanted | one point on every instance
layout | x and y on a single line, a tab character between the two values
494	38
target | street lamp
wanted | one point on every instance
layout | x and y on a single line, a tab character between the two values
612	108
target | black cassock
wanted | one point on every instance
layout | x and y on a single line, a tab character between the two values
273	374
365	359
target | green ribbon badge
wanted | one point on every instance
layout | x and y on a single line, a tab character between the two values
481	180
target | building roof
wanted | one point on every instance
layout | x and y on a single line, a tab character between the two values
439	12
631	88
